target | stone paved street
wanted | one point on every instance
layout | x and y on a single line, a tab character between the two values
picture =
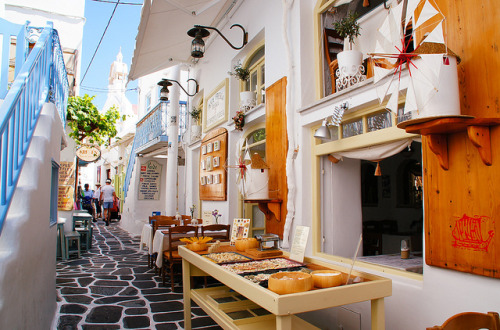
111	287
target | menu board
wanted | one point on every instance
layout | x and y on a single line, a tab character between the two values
66	186
149	181
299	243
213	154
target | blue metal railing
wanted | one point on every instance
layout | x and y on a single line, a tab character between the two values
130	167
42	78
151	126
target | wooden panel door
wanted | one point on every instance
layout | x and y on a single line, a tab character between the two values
276	151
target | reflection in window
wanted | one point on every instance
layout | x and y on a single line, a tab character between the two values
379	121
353	128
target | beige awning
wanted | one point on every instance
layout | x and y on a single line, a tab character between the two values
162	39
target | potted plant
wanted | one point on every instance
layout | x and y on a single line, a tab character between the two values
247	98
196	127
239	120
348	28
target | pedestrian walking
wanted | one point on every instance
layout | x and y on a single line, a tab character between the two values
107	198
95	199
87	200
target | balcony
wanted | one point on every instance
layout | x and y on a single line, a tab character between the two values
151	132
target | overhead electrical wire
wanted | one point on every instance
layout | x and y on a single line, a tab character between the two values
102	37
121	3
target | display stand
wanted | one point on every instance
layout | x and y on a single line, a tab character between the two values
281	307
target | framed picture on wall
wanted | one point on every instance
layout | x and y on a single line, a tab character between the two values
216	162
203	180
216	178
209	148
202	165
216	145
209	179
204	150
209	165
216	105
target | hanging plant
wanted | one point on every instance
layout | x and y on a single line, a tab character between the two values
239	120
196	114
240	72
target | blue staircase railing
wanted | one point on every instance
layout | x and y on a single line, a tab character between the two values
42	78
130	167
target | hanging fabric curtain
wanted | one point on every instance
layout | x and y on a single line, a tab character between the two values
377	152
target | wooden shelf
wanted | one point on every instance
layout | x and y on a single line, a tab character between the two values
270	207
437	130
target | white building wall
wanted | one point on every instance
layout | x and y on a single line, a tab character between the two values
28	241
67	17
414	304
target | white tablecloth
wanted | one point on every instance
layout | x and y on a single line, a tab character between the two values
160	244
146	238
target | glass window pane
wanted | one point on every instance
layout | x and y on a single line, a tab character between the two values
403	116
253	81
353	128
256	57
379	121
260	149
257	136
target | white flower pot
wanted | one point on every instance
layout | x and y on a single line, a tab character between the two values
195	132
247	100
350	61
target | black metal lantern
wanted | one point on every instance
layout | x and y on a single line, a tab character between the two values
164	90
199	32
166	83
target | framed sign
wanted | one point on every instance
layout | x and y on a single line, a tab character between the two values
149	181
213	175
88	153
240	229
216	106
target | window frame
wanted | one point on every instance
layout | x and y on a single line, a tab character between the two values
258	67
320	149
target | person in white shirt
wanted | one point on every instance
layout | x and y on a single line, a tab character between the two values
95	199
107	198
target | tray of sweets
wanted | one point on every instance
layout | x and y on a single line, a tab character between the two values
261	265
261	278
226	257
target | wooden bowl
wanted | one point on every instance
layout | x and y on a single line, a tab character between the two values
290	282
326	278
243	244
195	247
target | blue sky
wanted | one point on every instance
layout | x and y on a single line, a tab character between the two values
120	33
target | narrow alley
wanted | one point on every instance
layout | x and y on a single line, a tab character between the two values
111	287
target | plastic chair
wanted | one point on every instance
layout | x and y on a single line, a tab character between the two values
470	321
171	257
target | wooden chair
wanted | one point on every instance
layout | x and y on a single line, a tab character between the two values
186	219
158	222
171	257
470	321
334	44
217	232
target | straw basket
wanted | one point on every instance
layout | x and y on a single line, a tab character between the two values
290	282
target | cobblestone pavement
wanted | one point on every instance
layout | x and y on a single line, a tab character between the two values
111	287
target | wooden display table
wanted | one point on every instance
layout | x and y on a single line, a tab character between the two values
255	300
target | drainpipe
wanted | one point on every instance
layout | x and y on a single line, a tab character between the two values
290	126
173	144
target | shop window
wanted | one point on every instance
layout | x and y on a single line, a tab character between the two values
256	81
54	191
379	198
147	102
